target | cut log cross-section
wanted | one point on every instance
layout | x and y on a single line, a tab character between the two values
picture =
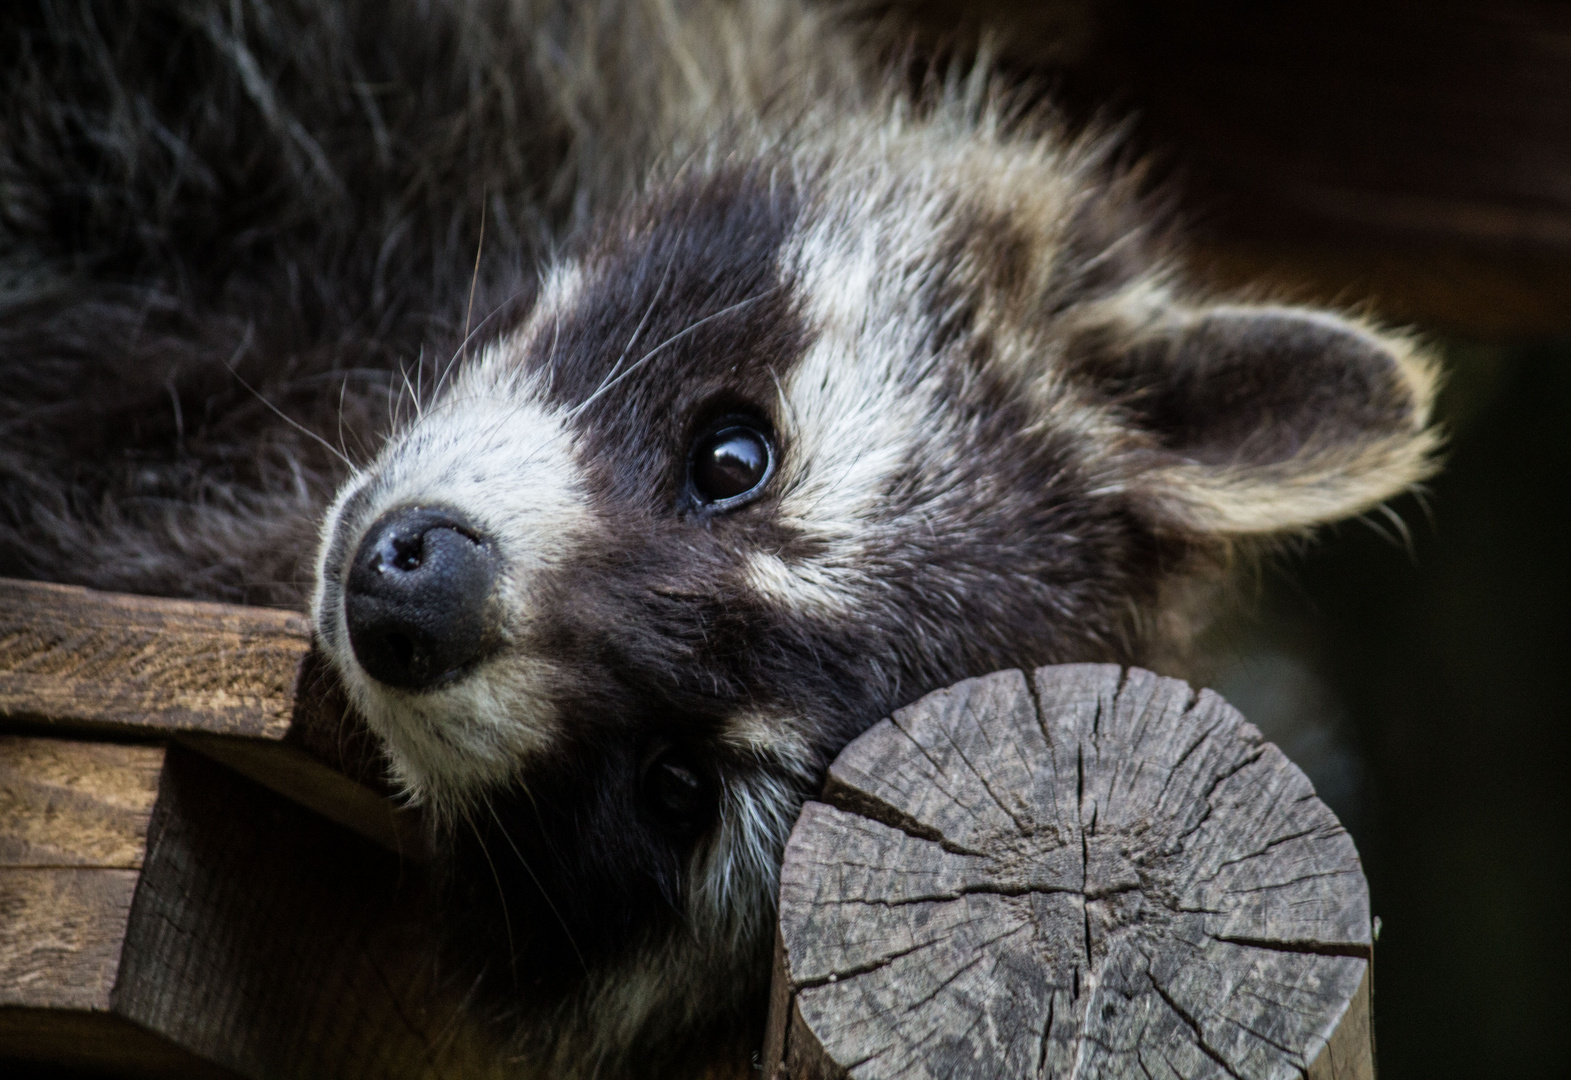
1103	875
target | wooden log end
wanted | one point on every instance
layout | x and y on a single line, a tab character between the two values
1095	872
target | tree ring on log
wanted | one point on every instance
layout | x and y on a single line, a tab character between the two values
1105	874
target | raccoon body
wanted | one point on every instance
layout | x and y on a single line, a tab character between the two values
645	398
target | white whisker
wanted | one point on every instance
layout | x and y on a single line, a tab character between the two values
291	421
668	341
567	933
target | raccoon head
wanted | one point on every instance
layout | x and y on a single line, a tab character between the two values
780	448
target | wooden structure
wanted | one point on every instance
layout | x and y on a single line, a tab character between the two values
199	876
162	914
1098	874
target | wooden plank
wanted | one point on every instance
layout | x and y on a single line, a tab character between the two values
161	915
239	684
1107	877
66	803
73	835
73	657
73	832
62	934
275	944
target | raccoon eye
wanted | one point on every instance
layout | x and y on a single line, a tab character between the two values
674	790
730	463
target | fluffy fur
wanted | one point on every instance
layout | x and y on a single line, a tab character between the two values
510	257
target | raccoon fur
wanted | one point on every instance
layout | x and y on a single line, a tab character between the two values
644	397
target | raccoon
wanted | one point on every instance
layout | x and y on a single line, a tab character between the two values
644	398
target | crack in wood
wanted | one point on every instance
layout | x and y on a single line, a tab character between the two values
1150	761
1194	1026
1303	948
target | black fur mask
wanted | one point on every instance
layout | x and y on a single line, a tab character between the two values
768	401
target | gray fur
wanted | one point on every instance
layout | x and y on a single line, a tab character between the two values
242	268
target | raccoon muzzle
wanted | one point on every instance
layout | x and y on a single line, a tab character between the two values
418	601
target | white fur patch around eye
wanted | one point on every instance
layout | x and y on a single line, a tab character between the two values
854	406
801	585
491	451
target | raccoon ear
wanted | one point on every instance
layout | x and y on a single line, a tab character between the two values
1264	419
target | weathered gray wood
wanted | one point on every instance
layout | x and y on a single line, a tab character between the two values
1109	877
239	684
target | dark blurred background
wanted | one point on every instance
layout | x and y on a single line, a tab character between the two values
1412	160
1421	682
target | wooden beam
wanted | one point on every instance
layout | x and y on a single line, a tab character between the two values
239	684
274	944
74	833
1006	876
1093	873
162	916
73	837
79	659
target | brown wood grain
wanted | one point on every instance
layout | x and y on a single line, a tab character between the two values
74	657
239	684
275	944
61	931
162	915
69	803
1101	874
73	834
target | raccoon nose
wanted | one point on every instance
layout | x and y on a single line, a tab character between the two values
418	598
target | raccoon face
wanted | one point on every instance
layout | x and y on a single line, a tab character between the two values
780	449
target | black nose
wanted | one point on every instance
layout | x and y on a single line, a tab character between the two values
418	598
